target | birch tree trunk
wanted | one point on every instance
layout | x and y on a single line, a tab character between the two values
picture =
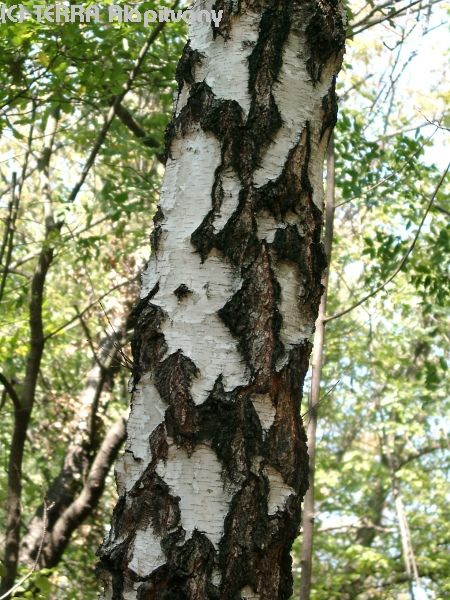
216	465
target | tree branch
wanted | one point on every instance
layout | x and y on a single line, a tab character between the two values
81	449
442	209
89	306
11	391
402	262
128	120
89	497
116	102
367	24
440	444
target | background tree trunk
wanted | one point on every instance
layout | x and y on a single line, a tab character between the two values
314	398
216	465
23	406
85	447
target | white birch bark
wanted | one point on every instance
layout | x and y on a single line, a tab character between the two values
215	465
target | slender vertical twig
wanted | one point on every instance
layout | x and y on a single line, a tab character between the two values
314	399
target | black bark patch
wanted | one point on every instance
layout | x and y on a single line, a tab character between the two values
148	344
150	502
229	7
158	443
230	424
186	66
309	260
255	548
182	292
284	524
298	244
238	240
224	118
203	237
292	190
325	34
285	444
135	313
200	99
253	317
173	381
187	573
265	63
329	110
289	244
156	234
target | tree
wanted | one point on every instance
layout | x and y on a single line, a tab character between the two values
215	465
379	435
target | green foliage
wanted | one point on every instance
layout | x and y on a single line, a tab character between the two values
386	359
74	70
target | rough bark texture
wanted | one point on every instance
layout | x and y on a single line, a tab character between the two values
215	465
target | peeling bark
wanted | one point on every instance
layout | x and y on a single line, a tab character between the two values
215	465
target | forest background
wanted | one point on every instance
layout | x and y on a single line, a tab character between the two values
83	109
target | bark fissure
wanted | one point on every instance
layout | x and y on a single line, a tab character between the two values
216	463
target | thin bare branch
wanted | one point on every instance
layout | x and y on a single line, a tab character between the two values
10	389
8	593
130	122
89	306
368	24
113	110
402	262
